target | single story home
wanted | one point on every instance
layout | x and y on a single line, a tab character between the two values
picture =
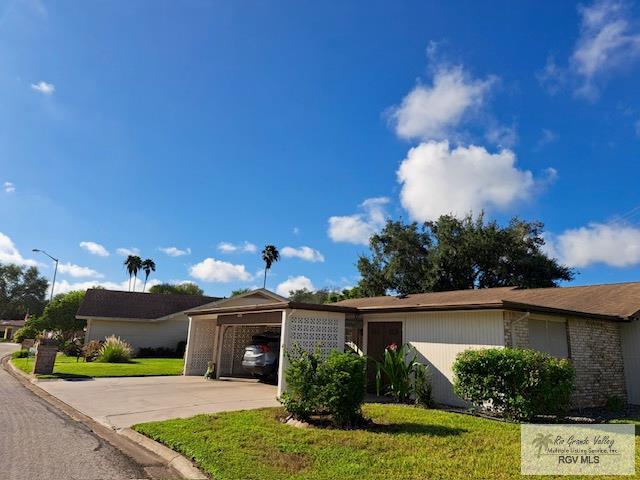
144	320
597	327
9	327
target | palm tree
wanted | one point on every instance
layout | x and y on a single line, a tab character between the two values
147	266
133	264
541	441
270	254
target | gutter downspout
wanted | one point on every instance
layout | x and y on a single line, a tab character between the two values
523	317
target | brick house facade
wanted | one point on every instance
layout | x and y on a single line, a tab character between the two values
594	348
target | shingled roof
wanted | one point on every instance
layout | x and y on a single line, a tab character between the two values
619	301
117	304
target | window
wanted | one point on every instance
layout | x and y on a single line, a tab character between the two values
549	336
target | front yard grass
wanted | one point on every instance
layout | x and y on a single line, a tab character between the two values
406	443
67	367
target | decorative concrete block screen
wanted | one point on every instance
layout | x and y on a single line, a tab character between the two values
234	341
312	329
200	348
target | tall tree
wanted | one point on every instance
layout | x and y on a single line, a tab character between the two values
148	266
187	288
60	314
307	296
452	254
270	255
133	264
22	291
240	291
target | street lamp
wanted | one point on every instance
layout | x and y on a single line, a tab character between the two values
53	284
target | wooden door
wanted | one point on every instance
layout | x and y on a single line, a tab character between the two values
379	335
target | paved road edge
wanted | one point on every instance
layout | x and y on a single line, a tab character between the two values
151	455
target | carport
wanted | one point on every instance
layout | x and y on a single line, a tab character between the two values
236	332
219	333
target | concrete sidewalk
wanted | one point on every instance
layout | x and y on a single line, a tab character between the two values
122	402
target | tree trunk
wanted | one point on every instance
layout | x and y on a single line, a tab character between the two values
264	285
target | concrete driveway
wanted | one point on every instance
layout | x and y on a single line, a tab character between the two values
122	402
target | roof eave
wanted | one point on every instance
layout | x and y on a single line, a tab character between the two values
273	306
430	308
542	309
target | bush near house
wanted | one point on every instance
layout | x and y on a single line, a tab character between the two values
517	383
315	386
114	350
401	376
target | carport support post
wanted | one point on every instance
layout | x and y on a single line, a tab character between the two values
284	342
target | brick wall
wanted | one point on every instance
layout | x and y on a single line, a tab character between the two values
516	330
596	354
595	351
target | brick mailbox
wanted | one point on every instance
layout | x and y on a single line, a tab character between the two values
45	357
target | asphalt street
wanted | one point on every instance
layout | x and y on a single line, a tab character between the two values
39	443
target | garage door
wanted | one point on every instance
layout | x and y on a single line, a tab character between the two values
631	354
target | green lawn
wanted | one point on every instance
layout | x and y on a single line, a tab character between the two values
67	367
407	443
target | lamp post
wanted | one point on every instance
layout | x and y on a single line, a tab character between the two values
55	271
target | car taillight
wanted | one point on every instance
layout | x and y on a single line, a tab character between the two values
264	348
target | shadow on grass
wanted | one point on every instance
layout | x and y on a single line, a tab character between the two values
410	428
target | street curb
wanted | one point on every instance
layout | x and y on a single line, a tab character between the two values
186	468
151	455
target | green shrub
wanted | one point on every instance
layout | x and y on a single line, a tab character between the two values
317	386
615	403
27	331
180	349
518	383
423	388
301	397
91	350
114	350
156	352
21	354
71	348
341	389
403	376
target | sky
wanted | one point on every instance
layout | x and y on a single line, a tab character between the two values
196	132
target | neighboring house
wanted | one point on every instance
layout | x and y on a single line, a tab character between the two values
596	327
9	327
144	320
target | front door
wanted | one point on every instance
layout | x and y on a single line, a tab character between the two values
379	335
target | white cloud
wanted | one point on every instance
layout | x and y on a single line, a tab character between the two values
78	271
296	231
9	187
612	244
434	111
10	254
438	180
44	87
125	252
294	283
305	253
94	249
64	286
546	137
501	135
175	251
357	228
609	40
212	270
246	247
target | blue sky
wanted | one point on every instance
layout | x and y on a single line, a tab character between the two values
211	128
